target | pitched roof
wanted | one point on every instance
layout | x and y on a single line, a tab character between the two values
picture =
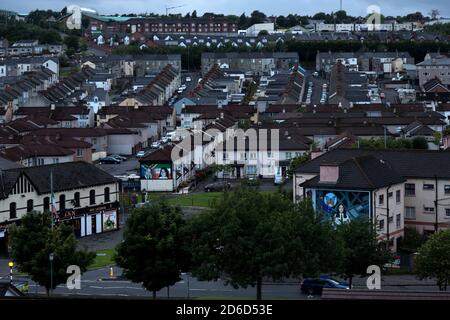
364	172
408	163
66	176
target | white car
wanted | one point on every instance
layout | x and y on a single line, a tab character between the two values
188	79
165	139
140	154
156	145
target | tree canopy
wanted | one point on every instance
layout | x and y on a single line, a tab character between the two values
154	248
249	236
361	248
33	241
433	259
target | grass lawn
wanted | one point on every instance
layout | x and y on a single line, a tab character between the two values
104	258
204	199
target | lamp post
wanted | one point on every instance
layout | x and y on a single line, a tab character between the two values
51	257
11	266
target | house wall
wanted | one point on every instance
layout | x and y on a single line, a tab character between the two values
396	208
424	220
38	199
121	144
30	162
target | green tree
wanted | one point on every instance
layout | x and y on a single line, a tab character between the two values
154	248
296	162
34	240
249	236
263	33
433	259
419	143
72	42
361	248
411	241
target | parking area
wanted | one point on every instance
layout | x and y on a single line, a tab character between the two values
131	166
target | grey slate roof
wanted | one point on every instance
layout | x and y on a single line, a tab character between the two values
66	176
364	172
407	163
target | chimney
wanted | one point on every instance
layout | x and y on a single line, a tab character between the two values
221	115
329	173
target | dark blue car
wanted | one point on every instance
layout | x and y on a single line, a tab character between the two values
316	285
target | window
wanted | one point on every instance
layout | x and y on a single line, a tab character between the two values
397	196
391	219
46	204
381	224
410	212
288	155
428	209
251	169
390	194
107	194
398	221
427	186
381	199
76	199
62	202
447	212
92	197
12	210
447	189
80	152
30	205
410	189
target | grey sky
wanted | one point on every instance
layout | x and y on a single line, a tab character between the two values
277	7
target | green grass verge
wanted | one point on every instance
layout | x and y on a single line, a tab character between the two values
196	199
103	259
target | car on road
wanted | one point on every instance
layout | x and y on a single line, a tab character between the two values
156	145
316	285
218	186
188	79
165	139
140	154
118	157
110	160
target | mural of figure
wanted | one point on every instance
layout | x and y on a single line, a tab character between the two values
341	215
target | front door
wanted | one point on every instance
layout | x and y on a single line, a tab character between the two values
94	223
238	172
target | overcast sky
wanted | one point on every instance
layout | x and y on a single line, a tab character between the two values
275	7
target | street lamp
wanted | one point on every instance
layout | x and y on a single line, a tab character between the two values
11	266
51	257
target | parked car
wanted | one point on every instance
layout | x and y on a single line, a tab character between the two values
218	186
118	157
188	79
140	154
156	144
165	139
110	160
316	285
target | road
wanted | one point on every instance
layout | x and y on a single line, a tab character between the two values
97	283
